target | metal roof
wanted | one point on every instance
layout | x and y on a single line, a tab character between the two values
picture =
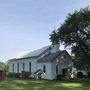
50	57
31	53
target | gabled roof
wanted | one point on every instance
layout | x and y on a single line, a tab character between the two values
31	53
39	71
51	56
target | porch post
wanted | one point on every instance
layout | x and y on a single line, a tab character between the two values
37	76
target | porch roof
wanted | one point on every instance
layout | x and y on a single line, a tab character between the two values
39	71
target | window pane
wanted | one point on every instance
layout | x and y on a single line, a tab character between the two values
44	69
18	67
13	67
30	67
23	66
57	69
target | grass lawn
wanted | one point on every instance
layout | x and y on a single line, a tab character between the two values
32	84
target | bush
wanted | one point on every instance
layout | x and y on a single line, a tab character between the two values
27	74
17	75
60	76
10	74
88	74
80	75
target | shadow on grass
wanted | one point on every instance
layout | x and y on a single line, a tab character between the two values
32	84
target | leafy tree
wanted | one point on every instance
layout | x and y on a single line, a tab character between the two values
1	65
75	34
54	37
4	66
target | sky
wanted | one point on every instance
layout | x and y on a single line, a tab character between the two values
27	24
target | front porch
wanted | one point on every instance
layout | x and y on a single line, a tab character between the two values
39	74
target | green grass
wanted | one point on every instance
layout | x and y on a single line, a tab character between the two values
32	84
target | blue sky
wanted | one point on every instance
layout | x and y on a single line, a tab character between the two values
26	24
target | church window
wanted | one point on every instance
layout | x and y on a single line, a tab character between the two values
63	56
18	67
23	66
57	68
13	67
44	69
29	66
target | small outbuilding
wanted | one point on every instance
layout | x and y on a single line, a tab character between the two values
39	74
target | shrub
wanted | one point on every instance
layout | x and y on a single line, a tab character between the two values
10	74
60	76
80	75
88	74
27	74
17	75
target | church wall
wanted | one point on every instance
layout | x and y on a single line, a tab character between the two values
61	63
47	75
26	61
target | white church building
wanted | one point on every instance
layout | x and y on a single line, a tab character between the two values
50	59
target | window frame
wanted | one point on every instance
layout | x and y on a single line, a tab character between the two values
44	68
18	67
29	66
57	69
13	67
23	66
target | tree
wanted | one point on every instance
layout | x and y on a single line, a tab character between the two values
54	37
75	34
4	66
1	65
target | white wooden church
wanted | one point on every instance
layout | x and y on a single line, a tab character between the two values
49	59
